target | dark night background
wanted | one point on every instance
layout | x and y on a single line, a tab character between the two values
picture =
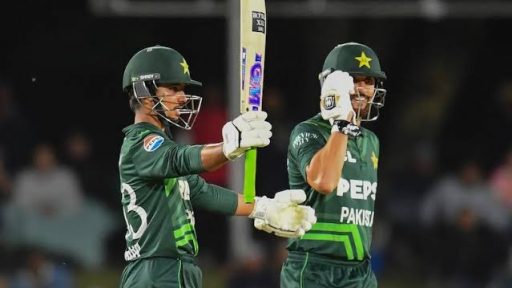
448	117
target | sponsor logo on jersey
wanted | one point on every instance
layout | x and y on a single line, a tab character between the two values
361	217
359	189
153	142
349	158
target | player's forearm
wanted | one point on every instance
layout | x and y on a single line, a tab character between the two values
243	209
324	170
212	157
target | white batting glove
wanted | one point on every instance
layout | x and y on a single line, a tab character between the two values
282	215
335	101
247	131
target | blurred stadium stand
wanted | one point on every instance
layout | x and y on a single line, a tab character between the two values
310	8
449	100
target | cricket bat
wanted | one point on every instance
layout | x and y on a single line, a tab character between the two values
253	31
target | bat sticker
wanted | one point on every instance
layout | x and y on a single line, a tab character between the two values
244	62
256	77
258	22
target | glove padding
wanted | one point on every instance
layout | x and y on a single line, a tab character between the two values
246	131
282	215
335	101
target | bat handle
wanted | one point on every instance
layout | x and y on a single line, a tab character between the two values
250	176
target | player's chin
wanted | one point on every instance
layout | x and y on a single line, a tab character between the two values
363	113
174	116
361	109
361	105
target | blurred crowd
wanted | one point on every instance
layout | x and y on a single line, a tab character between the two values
438	223
54	209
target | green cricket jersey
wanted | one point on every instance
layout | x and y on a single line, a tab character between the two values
159	187
345	216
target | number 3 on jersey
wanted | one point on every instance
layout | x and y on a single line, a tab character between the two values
132	206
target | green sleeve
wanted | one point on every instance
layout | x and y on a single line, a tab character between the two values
211	197
170	159
305	141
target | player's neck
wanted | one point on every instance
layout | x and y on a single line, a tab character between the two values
151	119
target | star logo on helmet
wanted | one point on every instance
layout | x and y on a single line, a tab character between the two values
185	67
363	60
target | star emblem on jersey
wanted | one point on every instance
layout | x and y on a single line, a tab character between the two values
185	67
375	161
363	60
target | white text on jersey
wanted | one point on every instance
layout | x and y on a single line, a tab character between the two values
361	217
133	252
349	158
359	189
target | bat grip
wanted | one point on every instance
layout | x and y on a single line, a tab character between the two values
250	176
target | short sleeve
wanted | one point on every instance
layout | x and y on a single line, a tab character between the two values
305	141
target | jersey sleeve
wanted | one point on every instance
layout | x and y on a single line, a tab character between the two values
211	197
167	159
305	141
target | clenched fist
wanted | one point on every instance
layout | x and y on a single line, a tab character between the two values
335	97
244	132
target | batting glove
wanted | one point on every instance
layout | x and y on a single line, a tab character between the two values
246	131
283	215
335	96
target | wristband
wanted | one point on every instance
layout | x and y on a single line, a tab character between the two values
346	127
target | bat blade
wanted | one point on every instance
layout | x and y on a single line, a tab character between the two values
253	30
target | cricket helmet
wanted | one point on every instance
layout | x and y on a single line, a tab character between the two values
358	60
158	65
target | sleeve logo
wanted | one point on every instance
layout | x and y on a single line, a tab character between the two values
153	142
302	138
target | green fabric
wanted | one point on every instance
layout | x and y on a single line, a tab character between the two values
212	197
161	272
169	160
323	232
305	270
345	216
159	193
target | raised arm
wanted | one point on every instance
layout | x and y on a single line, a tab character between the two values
244	132
324	170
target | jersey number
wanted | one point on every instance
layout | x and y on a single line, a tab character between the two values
132	206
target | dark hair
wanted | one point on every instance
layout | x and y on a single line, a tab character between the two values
134	103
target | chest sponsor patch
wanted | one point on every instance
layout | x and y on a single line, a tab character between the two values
153	142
